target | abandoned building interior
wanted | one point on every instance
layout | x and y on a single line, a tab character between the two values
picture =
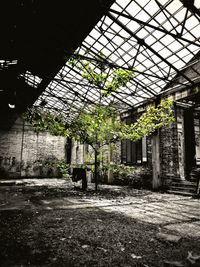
159	40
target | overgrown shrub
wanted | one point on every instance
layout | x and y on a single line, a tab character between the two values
137	177
61	166
50	166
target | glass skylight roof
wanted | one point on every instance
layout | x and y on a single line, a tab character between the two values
156	38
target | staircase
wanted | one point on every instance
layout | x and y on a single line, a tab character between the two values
183	187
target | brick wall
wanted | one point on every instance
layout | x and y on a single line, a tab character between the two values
149	153
169	149
23	152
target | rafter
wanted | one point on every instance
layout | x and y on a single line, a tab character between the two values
143	43
176	36
157	48
113	65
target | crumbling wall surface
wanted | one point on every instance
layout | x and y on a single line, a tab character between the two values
170	147
25	153
10	151
78	153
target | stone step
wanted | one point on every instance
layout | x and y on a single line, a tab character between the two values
185	184
179	182
183	188
192	180
183	193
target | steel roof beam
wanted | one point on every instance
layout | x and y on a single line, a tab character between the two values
154	27
142	42
76	93
113	65
190	5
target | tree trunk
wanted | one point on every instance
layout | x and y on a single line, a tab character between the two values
96	169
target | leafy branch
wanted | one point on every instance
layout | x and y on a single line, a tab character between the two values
108	81
46	121
151	120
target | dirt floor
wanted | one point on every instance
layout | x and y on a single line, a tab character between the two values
51	222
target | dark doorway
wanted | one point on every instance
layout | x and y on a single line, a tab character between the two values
189	140
68	150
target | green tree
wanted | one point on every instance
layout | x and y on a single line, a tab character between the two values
102	124
97	128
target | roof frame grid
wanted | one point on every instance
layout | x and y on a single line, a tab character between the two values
153	70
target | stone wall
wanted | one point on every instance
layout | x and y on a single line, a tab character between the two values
197	135
25	153
77	156
172	149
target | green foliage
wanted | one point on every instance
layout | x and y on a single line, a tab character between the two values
46	121
120	77
140	177
85	166
99	127
103	125
151	120
119	169
60	165
106	79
